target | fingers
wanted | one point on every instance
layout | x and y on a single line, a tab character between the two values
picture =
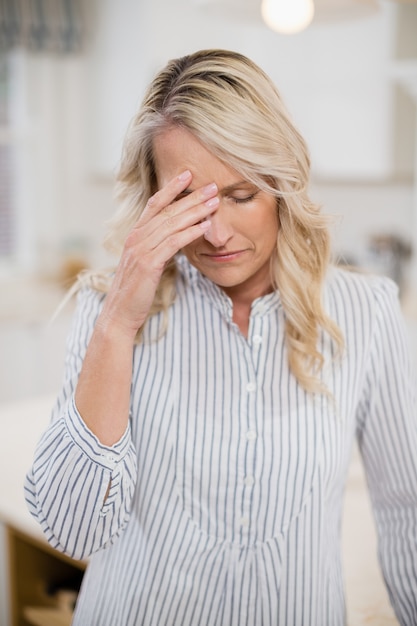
183	214
173	218
174	209
167	194
174	197
180	239
169	232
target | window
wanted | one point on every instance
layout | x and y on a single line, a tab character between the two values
33	37
7	183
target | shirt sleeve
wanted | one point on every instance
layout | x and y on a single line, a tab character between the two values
71	473
387	436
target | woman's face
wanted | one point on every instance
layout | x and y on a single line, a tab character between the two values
235	253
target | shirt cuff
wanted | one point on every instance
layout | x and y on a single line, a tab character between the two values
106	456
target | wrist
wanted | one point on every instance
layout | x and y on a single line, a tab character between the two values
110	330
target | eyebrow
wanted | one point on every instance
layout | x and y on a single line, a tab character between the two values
239	184
227	189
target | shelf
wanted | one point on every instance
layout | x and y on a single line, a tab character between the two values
47	617
43	582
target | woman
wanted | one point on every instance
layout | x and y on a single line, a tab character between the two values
216	380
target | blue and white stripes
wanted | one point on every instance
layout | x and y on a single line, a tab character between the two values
227	489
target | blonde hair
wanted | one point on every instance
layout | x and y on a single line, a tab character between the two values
229	104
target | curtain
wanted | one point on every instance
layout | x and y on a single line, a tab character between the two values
41	25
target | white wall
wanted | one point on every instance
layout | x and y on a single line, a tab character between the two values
336	78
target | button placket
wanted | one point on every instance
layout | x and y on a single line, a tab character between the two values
110	461
247	480
244	521
251	435
256	341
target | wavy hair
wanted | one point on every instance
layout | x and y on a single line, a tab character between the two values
228	103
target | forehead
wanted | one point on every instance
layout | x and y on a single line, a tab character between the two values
176	149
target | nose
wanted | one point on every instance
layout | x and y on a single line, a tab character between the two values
221	229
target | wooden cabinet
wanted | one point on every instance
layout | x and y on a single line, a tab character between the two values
43	583
31	573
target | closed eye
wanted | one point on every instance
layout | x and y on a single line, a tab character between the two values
245	199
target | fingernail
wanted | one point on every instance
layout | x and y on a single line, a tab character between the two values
210	189
185	175
212	202
205	225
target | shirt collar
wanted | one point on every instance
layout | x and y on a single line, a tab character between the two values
261	306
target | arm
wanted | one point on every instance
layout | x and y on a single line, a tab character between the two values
66	487
103	391
387	434
82	481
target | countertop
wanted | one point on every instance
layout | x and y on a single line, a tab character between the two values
22	423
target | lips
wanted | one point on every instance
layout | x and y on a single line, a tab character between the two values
223	256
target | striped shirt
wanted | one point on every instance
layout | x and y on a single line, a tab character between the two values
227	487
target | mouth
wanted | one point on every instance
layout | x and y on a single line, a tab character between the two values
219	257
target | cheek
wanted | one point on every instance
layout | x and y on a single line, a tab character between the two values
266	229
190	249
269	245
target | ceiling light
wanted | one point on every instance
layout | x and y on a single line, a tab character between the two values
287	16
324	10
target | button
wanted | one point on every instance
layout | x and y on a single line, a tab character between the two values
244	521
251	435
249	480
251	387
257	339
109	458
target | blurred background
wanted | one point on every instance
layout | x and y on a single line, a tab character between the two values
72	74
